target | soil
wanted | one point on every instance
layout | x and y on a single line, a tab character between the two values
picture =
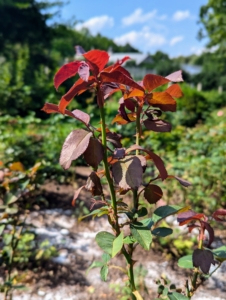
65	278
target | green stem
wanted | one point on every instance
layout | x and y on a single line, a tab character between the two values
107	172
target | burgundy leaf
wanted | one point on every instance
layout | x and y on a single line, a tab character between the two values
119	153
181	180
97	60
157	125
219	212
83	71
76	114
152	81
122	110
130	105
108	88
76	194
119	77
185	215
65	72
79	87
127	172
114	138
94	153
210	231
203	259
75	145
156	159
153	193
81	116
93	184
175	77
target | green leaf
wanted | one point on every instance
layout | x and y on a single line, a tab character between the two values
104	273
106	257
105	241
162	231
10	198
95	264
165	211
2	227
142	212
11	210
141	234
186	262
220	253
147	222
96	212
117	244
129	240
177	296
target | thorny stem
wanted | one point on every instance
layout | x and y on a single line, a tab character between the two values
127	256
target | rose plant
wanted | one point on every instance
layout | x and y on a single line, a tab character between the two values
124	168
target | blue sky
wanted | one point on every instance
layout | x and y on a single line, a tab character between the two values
148	25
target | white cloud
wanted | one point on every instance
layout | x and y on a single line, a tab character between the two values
176	40
138	17
181	15
96	24
143	39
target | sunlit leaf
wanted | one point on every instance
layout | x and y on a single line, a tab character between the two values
141	234
65	72
157	125
153	193
152	81
119	77
94	153
78	87
163	100
137	295
175	76
175	91
127	172
97	60
186	262
17	166
83	71
75	145
177	296
105	241
117	244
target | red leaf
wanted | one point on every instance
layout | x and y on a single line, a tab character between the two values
83	71
152	81
219	212
117	64
76	114
181	180
119	77
157	160
175	77
94	153
175	91
66	72
163	100
187	217
130	105
93	184
203	259
75	145
157	125
97	60
108	88
79	86
114	138
76	194
134	93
